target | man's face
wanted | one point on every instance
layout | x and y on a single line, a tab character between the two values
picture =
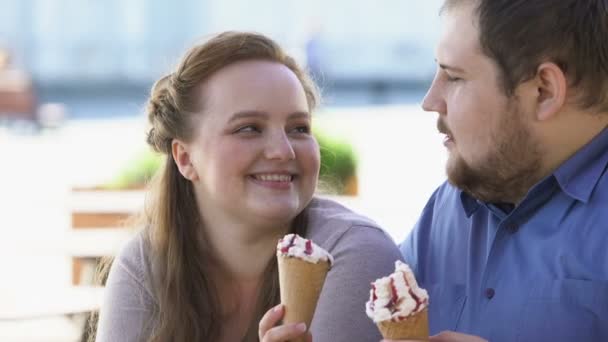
493	153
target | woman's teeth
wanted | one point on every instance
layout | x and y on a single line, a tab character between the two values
274	178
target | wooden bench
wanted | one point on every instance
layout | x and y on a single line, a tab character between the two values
97	219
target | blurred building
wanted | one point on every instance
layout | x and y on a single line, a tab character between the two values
75	41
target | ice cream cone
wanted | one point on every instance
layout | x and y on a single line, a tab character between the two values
415	327
300	286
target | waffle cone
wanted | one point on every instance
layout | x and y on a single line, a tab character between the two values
300	286
412	328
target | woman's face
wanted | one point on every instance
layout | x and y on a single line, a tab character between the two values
253	158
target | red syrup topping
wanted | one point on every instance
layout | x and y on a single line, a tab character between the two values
392	304
308	250
374	297
419	302
395	300
291	244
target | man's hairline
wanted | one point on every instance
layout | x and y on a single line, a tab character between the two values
449	5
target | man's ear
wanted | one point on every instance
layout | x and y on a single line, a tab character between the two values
552	86
182	158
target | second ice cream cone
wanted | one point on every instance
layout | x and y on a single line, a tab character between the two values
399	306
415	327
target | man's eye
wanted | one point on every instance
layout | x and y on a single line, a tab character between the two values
453	78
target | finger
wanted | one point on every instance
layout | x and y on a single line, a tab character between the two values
451	336
269	320
284	332
443	336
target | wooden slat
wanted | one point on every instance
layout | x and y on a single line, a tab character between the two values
98	220
100	209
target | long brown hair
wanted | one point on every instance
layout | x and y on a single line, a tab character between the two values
188	305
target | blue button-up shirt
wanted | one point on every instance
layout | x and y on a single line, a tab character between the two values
538	272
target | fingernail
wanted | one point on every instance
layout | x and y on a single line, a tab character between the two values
277	308
301	327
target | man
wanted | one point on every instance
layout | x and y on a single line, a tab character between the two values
514	246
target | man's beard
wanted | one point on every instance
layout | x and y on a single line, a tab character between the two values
508	170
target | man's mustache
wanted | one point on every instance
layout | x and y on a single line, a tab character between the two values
443	128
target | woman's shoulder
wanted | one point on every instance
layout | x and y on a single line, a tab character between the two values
134	254
134	260
331	223
324	210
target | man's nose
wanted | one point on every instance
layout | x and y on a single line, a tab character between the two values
433	100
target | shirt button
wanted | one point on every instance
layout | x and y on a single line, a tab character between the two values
489	293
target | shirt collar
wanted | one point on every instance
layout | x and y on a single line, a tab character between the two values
469	204
579	175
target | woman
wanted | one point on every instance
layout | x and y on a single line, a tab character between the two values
234	121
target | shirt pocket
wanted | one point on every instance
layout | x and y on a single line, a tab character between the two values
446	303
565	310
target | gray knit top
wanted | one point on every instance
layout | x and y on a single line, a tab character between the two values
362	252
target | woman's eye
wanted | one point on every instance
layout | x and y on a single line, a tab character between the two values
247	129
302	129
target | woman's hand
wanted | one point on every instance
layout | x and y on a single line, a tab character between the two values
269	333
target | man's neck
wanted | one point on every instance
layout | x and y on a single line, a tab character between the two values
567	135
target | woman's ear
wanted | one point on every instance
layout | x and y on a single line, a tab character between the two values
183	160
552	86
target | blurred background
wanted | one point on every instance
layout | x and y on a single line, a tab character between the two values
74	77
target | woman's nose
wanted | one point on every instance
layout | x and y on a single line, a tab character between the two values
279	147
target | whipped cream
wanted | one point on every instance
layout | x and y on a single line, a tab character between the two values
396	296
293	245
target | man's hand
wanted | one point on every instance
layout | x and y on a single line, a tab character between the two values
269	333
447	336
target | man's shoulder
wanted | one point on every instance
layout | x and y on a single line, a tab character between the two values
448	207
448	191
446	196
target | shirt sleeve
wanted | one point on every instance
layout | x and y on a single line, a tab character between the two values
127	309
361	255
415	245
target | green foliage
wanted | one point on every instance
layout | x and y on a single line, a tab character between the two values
138	172
338	163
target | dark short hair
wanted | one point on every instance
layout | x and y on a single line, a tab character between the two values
519	35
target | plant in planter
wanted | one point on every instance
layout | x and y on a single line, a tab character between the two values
137	173
338	174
